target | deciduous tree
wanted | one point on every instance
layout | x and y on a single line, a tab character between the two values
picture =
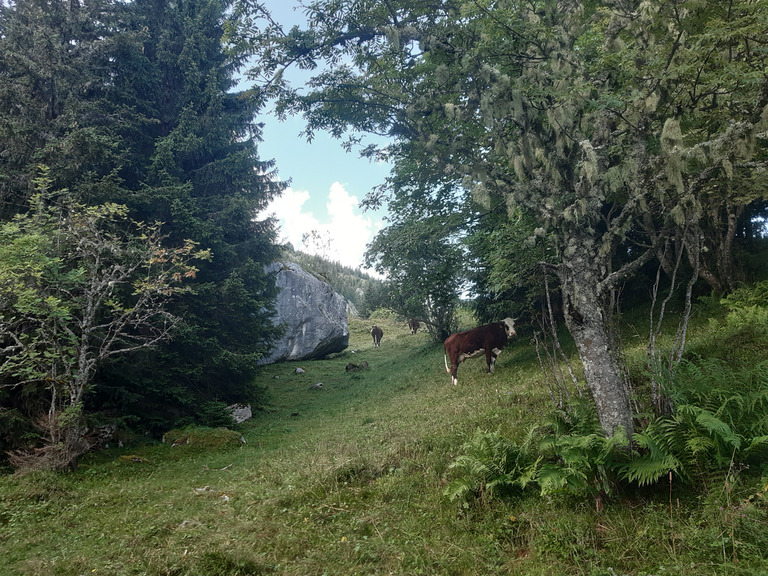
605	122
78	285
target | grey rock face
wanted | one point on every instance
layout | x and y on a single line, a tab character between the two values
313	314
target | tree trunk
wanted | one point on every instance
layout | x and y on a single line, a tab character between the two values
720	272
587	321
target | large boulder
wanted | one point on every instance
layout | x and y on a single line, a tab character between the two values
313	314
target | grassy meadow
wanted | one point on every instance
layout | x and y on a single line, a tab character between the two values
349	479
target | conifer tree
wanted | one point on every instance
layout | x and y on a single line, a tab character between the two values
135	103
55	66
195	168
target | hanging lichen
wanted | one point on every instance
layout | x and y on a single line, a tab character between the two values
671	137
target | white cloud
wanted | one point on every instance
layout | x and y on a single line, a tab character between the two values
350	231
344	231
293	222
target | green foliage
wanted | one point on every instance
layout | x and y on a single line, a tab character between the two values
567	453
748	307
132	103
197	169
510	277
719	395
55	102
15	429
720	420
80	284
376	297
422	261
490	465
214	414
579	457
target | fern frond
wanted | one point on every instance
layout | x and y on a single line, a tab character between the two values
756	444
647	470
699	445
529	474
458	489
552	478
712	424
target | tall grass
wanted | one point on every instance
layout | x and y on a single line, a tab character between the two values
350	479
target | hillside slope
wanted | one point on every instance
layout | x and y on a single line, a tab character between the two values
349	479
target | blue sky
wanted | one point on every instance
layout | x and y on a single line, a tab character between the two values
327	183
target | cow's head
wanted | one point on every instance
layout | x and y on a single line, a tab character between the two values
509	327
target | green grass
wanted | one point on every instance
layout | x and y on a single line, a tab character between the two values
349	479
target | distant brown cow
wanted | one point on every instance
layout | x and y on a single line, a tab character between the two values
377	333
413	324
490	339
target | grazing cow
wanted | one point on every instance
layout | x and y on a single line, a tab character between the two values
377	333
413	324
490	339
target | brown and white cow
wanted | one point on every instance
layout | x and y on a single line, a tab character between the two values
413	324
377	333
490	339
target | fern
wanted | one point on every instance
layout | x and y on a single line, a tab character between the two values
553	478
721	418
490	465
654	458
719	430
646	470
757	444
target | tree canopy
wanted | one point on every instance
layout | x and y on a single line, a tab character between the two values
134	104
622	130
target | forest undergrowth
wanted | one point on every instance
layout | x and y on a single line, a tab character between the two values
392	470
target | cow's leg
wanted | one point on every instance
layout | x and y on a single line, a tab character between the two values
492	359
454	370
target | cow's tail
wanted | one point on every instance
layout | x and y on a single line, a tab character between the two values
445	359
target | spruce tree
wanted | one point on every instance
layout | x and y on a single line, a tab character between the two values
195	168
135	103
54	110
